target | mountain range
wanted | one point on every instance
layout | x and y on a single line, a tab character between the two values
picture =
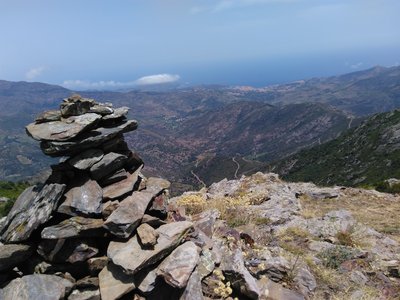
203	134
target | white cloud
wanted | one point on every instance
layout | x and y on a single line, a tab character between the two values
157	79
34	72
113	85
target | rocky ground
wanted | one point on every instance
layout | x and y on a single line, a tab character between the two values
299	241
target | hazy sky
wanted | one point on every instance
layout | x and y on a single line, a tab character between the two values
116	44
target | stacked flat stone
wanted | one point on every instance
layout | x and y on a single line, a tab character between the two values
97	228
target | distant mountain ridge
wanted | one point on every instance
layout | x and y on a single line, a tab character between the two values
365	155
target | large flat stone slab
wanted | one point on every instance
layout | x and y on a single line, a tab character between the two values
85	197
114	283
132	257
62	130
89	139
126	218
37	286
178	266
32	208
122	187
86	159
108	164
74	227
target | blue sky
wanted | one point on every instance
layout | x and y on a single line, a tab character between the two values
101	44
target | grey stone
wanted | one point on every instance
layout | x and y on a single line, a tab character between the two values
274	291
178	266
37	286
96	264
152	221
90	139
85	294
67	250
107	165
86	159
305	281
114	283
13	254
122	187
74	227
85	197
47	116
101	109
117	114
76	105
358	277
132	257
205	221
63	130
159	206
109	207
126	218
206	263
147	235
119	175
156	185
235	271
32	208
147	284
193	290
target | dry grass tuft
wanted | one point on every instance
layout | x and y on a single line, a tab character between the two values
380	212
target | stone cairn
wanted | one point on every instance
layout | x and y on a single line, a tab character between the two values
99	229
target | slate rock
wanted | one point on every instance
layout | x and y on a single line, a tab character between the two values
68	250
148	282
178	266
126	218
122	187
74	227
114	283
101	109
85	197
205	221
96	264
32	208
147	235
76	105
13	254
132	257
109	207
86	140
47	116
117	176
37	286
62	130
157	185
118	113
107	165
159	206
235	271
86	159
152	221
193	290
274	291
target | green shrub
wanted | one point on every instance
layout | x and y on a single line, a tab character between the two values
335	256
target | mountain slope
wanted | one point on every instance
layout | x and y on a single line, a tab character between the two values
360	93
366	154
